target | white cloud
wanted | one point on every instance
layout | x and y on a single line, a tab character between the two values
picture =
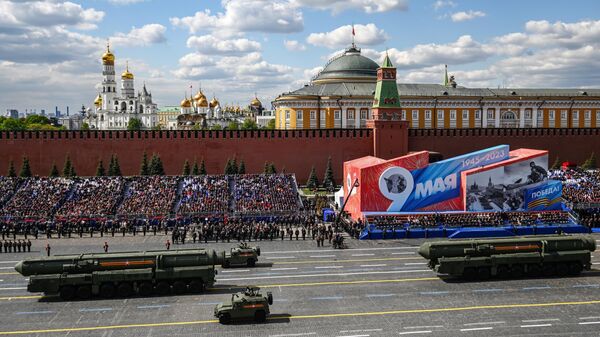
125	2
366	35
242	16
45	14
466	16
146	35
208	44
293	45
440	4
367	6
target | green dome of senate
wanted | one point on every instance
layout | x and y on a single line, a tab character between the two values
350	66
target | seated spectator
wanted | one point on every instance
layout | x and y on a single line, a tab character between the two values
149	196
93	196
204	194
37	198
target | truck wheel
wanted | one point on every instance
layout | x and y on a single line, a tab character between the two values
145	289
196	286
562	269
260	316
124	290
107	290
67	293
84	292
548	269
224	319
502	271
179	287
226	264
517	271
163	288
483	273
250	262
575	268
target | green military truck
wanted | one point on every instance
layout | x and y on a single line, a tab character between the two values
242	255
532	256
122	274
246	305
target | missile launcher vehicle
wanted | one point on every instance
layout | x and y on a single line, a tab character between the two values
246	305
122	274
532	256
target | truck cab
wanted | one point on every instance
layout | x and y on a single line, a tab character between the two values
249	304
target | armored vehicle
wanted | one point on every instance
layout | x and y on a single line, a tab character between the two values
246	305
242	255
122	274
547	255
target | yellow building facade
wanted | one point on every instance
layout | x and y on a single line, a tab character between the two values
341	95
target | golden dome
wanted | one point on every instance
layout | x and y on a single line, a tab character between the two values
214	102
255	102
126	75
202	103
98	101
108	58
186	103
199	96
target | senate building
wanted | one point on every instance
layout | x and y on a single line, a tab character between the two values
341	96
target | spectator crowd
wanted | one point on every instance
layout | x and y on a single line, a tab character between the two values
204	194
265	193
579	186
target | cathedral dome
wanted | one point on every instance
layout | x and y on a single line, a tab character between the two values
108	58
98	101
214	102
126	75
202	102
256	102
199	96
186	103
350	66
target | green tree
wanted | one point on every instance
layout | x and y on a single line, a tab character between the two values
203	168
592	161
25	168
100	171
186	168
195	170
114	169
227	169
266	168
144	168
242	167
13	124
270	125
556	164
156	166
234	166
134	124
72	173
68	168
36	119
328	180
157	127
233	125
272	169
216	127
249	124
54	171
85	126
11	169
313	181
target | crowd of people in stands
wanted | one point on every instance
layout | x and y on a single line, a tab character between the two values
8	185
149	196
92	196
487	219
264	193
204	194
37	197
579	186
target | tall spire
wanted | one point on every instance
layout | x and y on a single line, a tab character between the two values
353	34
446	81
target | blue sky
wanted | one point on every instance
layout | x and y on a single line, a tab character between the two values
238	47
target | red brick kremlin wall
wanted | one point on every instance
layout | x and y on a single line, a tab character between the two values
295	150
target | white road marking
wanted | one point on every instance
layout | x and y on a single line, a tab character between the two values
476	329
365	330
586	323
275	269
327	298
94	309
379	295
415	263
7	262
7	267
485	323
540	320
373	265
14	288
295	334
319	256
536	288
34	312
280	257
423	327
328	267
235	271
590	317
414	332
403	253
535	325
337	250
321	275
153	306
487	290
434	292
369	254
